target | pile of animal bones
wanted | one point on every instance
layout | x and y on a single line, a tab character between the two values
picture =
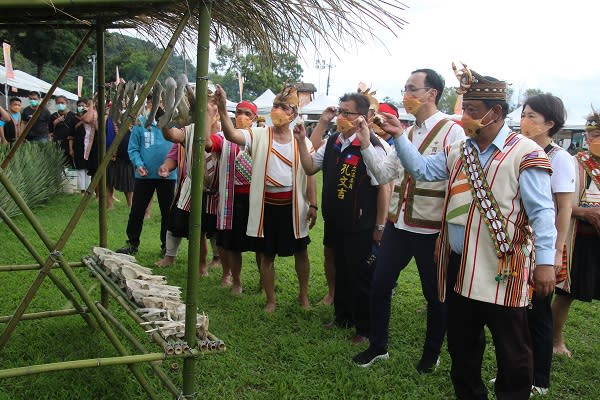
159	304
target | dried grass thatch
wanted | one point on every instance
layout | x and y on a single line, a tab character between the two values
263	25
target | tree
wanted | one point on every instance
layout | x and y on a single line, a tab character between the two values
448	100
390	100
259	74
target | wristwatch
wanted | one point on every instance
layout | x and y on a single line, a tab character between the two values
379	228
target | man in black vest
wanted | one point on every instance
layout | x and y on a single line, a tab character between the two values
354	208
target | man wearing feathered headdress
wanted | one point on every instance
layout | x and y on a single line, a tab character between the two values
498	199
583	252
282	198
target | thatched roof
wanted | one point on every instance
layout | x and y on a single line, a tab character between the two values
264	25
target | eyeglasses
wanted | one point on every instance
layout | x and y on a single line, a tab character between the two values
343	113
283	106
413	89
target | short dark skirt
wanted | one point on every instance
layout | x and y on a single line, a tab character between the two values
585	267
279	233
120	175
235	239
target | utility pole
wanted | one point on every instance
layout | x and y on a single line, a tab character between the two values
320	65
92	59
329	66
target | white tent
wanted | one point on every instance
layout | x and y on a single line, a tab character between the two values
318	105
24	81
264	102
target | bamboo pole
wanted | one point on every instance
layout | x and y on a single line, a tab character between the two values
46	98
197	184
68	295
91	363
155	365
44	314
34	267
100	79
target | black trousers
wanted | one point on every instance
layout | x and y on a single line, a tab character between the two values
398	247
466	345
541	330
352	279
143	189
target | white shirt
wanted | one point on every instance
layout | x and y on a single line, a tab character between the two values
388	168
563	172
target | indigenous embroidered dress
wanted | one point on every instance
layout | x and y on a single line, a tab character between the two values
587	195
232	179
272	167
211	175
498	253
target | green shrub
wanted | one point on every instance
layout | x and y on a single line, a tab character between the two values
36	172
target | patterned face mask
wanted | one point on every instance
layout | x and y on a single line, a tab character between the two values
344	125
279	118
472	126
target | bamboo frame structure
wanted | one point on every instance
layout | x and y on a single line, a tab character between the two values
98	310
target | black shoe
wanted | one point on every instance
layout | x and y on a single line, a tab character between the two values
427	365
128	249
369	356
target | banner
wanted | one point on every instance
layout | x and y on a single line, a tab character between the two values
10	74
79	85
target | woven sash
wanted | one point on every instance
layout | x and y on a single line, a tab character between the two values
590	165
486	203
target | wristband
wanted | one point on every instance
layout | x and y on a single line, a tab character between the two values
379	228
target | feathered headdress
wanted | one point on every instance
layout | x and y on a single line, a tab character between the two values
288	95
365	91
474	86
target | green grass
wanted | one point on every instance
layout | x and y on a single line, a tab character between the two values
287	355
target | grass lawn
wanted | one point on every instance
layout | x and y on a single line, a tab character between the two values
287	355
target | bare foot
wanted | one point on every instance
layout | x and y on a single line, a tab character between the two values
304	303
270	307
561	349
236	290
327	300
226	281
216	262
165	262
203	269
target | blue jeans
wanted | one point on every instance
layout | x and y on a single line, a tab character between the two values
397	248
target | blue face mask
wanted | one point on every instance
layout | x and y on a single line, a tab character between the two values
34	103
61	107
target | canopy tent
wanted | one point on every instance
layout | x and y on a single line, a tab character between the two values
29	83
318	105
264	102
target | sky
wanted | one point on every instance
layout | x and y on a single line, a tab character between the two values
532	44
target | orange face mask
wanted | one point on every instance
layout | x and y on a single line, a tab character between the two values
472	126
344	126
243	122
411	104
530	128
279	118
595	147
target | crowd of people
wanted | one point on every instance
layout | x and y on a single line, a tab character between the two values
503	226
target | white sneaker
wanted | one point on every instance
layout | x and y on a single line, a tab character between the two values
538	391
